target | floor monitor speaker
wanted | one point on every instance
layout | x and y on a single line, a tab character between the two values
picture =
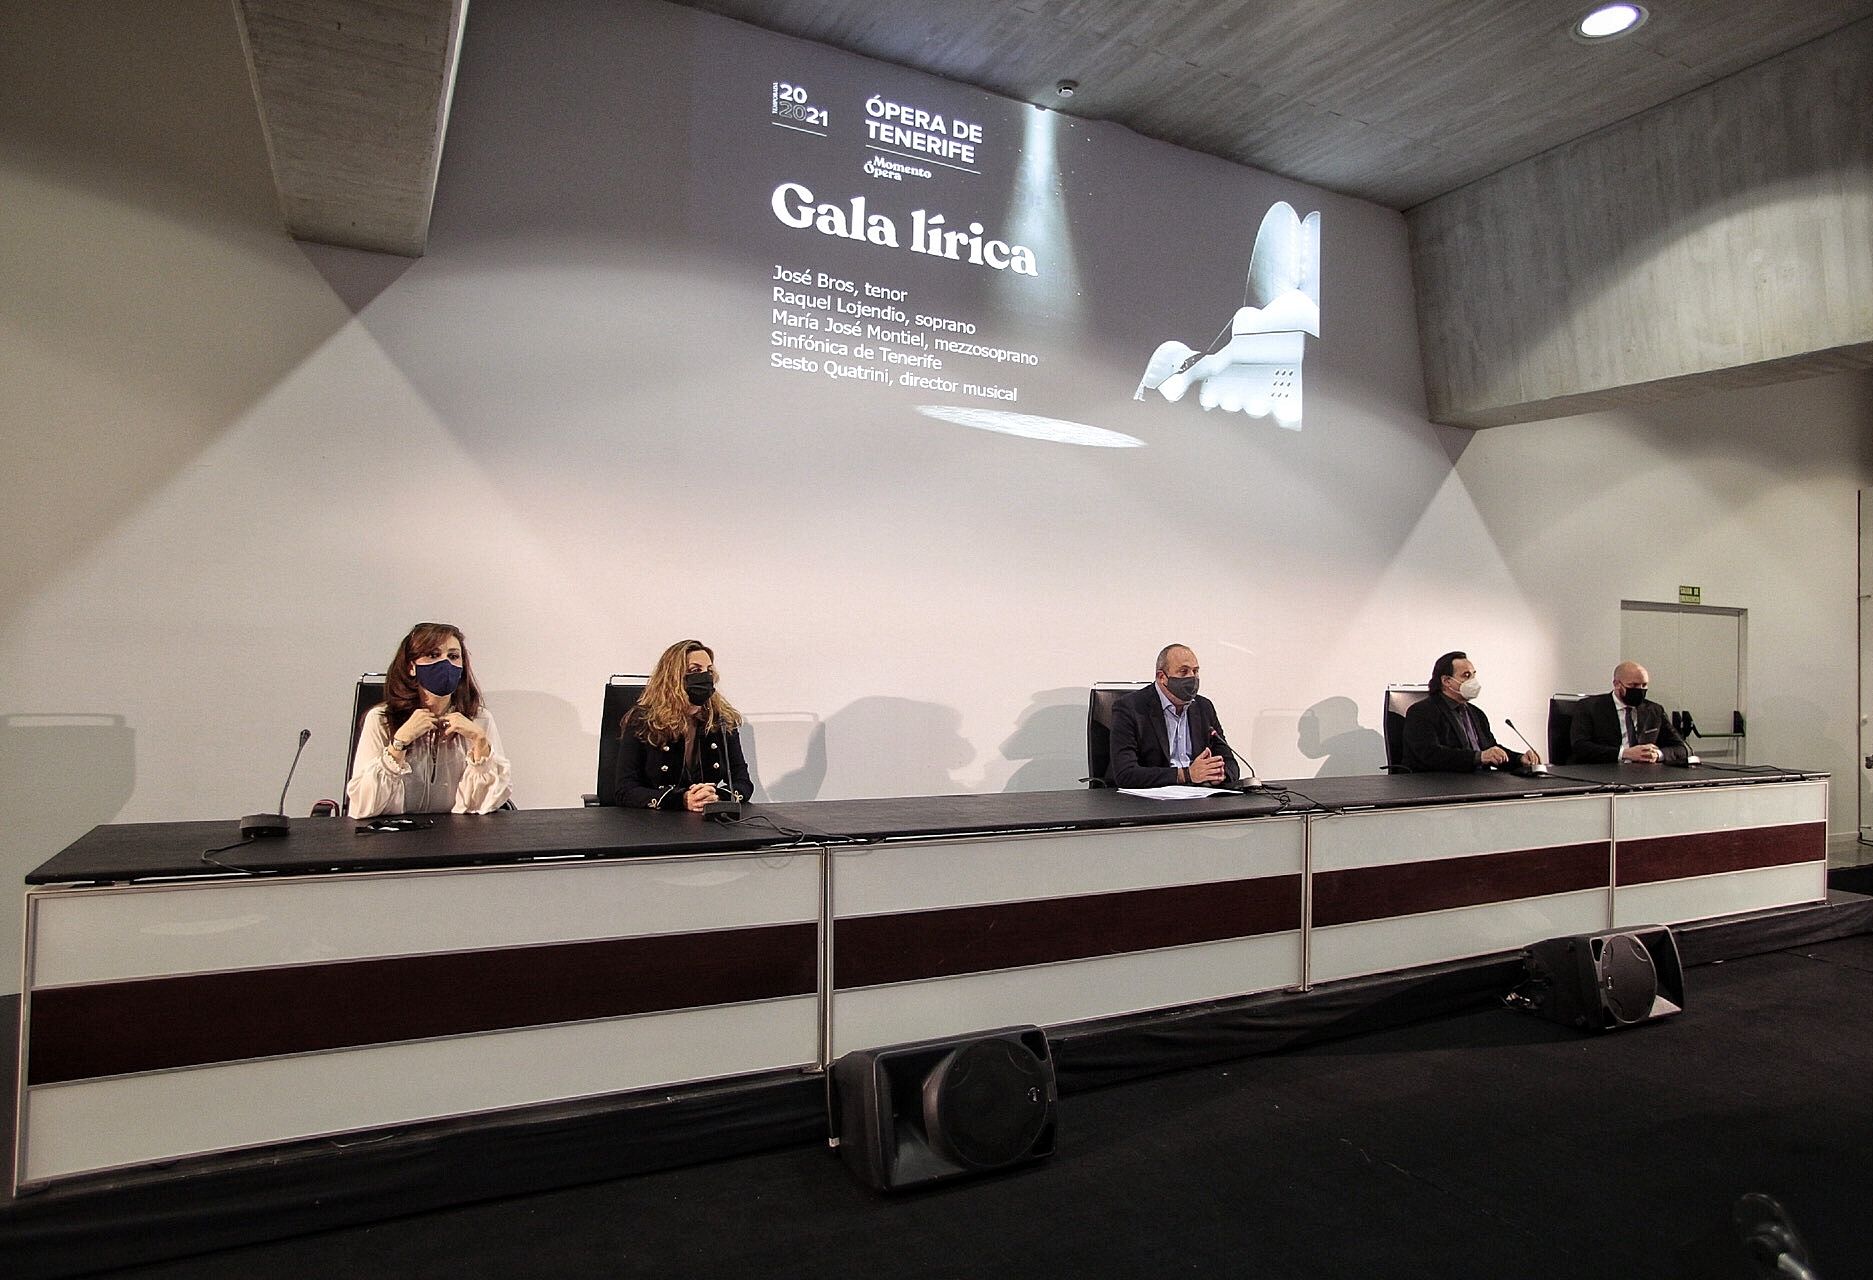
1604	981
913	1114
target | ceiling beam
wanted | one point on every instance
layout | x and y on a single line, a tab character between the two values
354	100
1717	240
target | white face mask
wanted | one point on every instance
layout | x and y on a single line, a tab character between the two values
1470	689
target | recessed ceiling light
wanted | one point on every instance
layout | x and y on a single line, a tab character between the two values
1610	20
1067	88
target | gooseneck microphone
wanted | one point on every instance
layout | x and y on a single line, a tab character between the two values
255	825
1532	768
726	807
727	803
1243	783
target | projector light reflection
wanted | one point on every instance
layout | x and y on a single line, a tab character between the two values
1030	427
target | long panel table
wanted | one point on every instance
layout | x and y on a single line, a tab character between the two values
333	981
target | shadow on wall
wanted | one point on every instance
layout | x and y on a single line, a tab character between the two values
62	773
1330	732
879	747
544	739
357	276
788	735
1050	741
131	131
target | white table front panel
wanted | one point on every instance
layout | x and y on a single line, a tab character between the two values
107	934
1402	942
1071	991
1730	893
1381	837
104	1124
1685	811
924	876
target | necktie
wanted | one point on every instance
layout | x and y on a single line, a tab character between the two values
1632	727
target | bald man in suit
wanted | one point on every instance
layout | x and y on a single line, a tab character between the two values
1625	725
1167	733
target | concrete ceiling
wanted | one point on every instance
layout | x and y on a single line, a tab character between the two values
1396	101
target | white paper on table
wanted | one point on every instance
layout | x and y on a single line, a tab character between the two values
1173	793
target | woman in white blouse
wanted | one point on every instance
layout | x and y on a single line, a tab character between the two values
430	746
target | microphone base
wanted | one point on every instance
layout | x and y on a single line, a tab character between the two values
255	826
723	810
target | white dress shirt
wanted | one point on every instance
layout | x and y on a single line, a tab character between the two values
435	776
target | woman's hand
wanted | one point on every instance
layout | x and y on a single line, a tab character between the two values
698	795
419	723
457	725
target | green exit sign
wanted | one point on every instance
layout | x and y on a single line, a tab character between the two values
1690	595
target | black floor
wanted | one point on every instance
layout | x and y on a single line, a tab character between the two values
1486	1145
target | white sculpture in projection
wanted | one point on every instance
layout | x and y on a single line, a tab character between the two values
1254	366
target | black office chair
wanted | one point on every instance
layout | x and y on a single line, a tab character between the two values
1099	702
369	693
1399	698
1561	708
621	694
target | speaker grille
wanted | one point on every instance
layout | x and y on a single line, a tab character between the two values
985	1104
1628	979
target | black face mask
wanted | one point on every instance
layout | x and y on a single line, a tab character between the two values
1183	688
1632	696
700	686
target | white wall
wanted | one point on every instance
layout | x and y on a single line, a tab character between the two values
1748	494
244	467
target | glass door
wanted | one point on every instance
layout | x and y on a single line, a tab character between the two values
1696	656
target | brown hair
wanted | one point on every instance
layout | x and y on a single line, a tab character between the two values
402	693
661	715
1445	666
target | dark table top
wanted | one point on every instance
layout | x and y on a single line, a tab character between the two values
912	816
1403	790
167	850
1389	791
1655	777
159	850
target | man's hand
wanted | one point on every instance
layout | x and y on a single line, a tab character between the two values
1208	768
1644	753
1495	755
1531	757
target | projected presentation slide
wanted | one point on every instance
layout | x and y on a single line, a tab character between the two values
990	263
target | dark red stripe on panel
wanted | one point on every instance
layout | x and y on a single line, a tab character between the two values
105	1029
1709	852
1406	888
870	950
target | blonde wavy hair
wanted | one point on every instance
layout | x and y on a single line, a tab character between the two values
661	715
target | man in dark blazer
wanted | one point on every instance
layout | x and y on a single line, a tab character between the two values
1624	726
1446	734
1167	733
